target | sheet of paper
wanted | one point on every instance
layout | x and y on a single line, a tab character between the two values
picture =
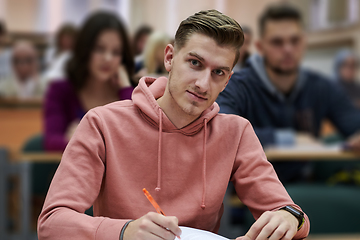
196	234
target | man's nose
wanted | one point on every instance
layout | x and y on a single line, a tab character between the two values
202	83
289	47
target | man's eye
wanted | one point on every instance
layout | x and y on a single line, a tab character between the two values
195	63
219	72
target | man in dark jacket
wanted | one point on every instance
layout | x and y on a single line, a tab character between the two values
282	99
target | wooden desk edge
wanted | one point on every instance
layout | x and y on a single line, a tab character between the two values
271	154
37	157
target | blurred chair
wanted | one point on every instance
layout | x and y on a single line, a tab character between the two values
41	176
331	209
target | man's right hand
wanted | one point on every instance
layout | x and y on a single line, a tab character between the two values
153	226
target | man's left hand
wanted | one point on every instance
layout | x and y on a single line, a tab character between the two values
273	226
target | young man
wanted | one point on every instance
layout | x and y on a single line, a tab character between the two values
170	140
279	97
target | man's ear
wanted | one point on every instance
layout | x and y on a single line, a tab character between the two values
169	55
232	72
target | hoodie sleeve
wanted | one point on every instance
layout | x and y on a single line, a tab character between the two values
256	182
234	100
76	186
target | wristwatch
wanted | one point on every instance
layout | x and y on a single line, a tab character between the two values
296	213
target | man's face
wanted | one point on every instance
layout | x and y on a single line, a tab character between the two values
282	45
199	71
25	64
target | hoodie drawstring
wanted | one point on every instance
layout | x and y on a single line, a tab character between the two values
158	186
204	166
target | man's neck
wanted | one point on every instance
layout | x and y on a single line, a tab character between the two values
283	82
174	113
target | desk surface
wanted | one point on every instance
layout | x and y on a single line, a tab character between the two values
18	103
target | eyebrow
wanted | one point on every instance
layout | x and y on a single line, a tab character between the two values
194	54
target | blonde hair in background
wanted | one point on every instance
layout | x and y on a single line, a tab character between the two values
155	44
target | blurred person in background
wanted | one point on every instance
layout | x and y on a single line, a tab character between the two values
245	49
64	41
346	67
140	38
24	81
153	63
57	56
98	73
284	102
5	53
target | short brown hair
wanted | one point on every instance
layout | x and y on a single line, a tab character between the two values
212	23
279	12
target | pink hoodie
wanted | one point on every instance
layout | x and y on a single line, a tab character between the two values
125	146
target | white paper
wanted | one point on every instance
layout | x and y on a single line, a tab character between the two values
196	234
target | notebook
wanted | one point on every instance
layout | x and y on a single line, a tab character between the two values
197	234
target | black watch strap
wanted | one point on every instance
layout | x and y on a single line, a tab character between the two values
296	213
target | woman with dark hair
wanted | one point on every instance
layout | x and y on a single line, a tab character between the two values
98	73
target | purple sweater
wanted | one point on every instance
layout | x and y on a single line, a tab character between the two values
62	107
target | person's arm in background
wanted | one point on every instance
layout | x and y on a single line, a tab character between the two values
259	188
344	115
123	82
55	119
235	100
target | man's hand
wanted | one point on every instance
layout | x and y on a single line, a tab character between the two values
273	226
153	226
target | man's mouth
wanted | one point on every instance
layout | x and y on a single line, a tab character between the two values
196	96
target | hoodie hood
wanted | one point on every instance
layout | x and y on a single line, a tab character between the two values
144	97
257	63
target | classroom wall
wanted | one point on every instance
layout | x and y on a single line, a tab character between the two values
20	15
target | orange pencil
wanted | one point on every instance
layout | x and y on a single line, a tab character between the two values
154	203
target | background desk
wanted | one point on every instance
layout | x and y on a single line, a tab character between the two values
303	153
310	152
17	125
